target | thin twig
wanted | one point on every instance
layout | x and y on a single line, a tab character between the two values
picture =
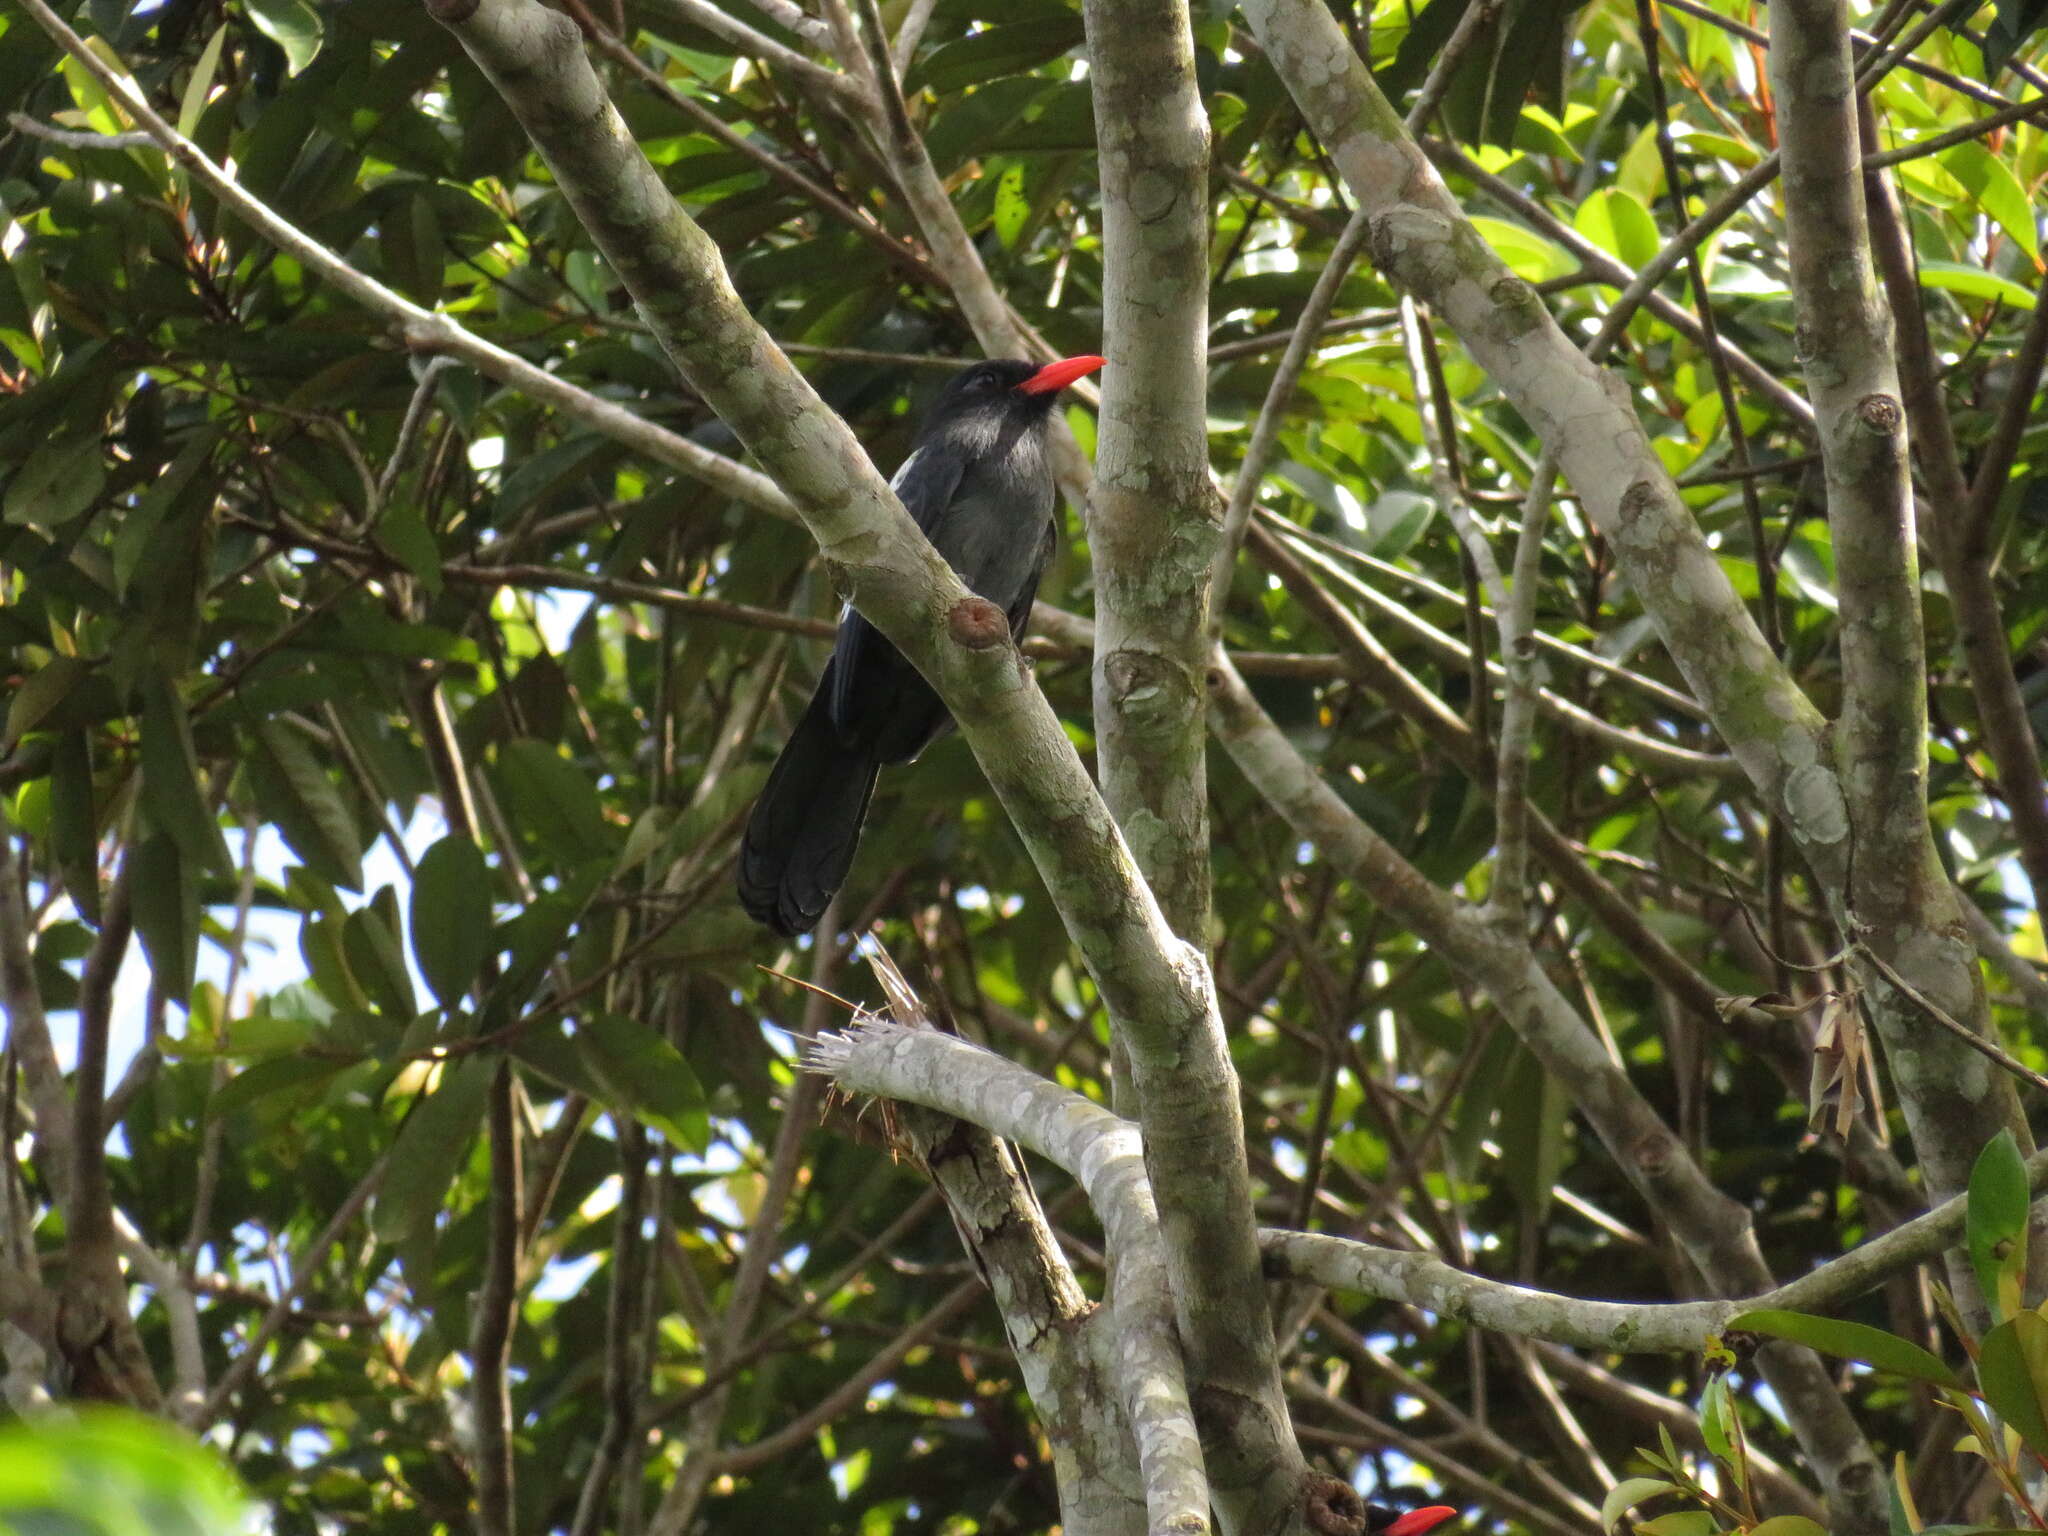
1919	149
1988	1049
415	417
1251	470
1505	898
760	46
1477	22
1662	694
496	1310
1252	346
1731	412
1862	40
2002	447
711	123
910	33
73	139
305	1264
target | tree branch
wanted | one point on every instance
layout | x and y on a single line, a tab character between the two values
1897	896
1104	1154
1715	1231
1424	1281
1956	535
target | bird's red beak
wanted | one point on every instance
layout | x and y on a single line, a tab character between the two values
1060	374
1416	1521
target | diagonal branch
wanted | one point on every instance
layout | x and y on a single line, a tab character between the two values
759	45
1715	1231
1105	1156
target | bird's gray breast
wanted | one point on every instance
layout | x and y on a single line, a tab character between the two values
992	530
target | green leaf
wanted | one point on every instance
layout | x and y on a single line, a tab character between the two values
1008	49
1997	191
1902	1516
1530	1125
326	957
106	1470
1529	256
450	917
549	1047
58	484
291	24
171	791
646	1075
1851	1341
535	939
1424	39
1995	1223
403	532
294	791
74	822
2012	1369
192	101
1536	131
132	534
1641	166
166	906
2012	24
40	692
553	801
1617	222
1683	1522
1975	283
1627	1494
623	1065
1788	1525
1715	1412
432	1147
376	960
275	1075
1013	208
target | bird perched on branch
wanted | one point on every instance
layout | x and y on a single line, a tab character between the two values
979	484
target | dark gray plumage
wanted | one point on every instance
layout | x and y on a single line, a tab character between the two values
978	483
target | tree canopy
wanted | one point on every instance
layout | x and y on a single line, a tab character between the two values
1527	768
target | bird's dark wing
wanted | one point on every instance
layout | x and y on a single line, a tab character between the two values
924	483
1020	610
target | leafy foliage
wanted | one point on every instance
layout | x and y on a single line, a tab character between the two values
2012	1385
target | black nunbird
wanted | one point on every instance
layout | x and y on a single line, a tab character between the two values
978	483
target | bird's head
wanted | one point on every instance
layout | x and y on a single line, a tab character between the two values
1011	386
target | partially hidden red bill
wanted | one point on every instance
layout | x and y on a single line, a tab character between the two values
1417	1521
1060	374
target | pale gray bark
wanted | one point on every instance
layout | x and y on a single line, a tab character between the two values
1893	895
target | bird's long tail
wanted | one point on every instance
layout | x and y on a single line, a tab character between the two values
801	838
